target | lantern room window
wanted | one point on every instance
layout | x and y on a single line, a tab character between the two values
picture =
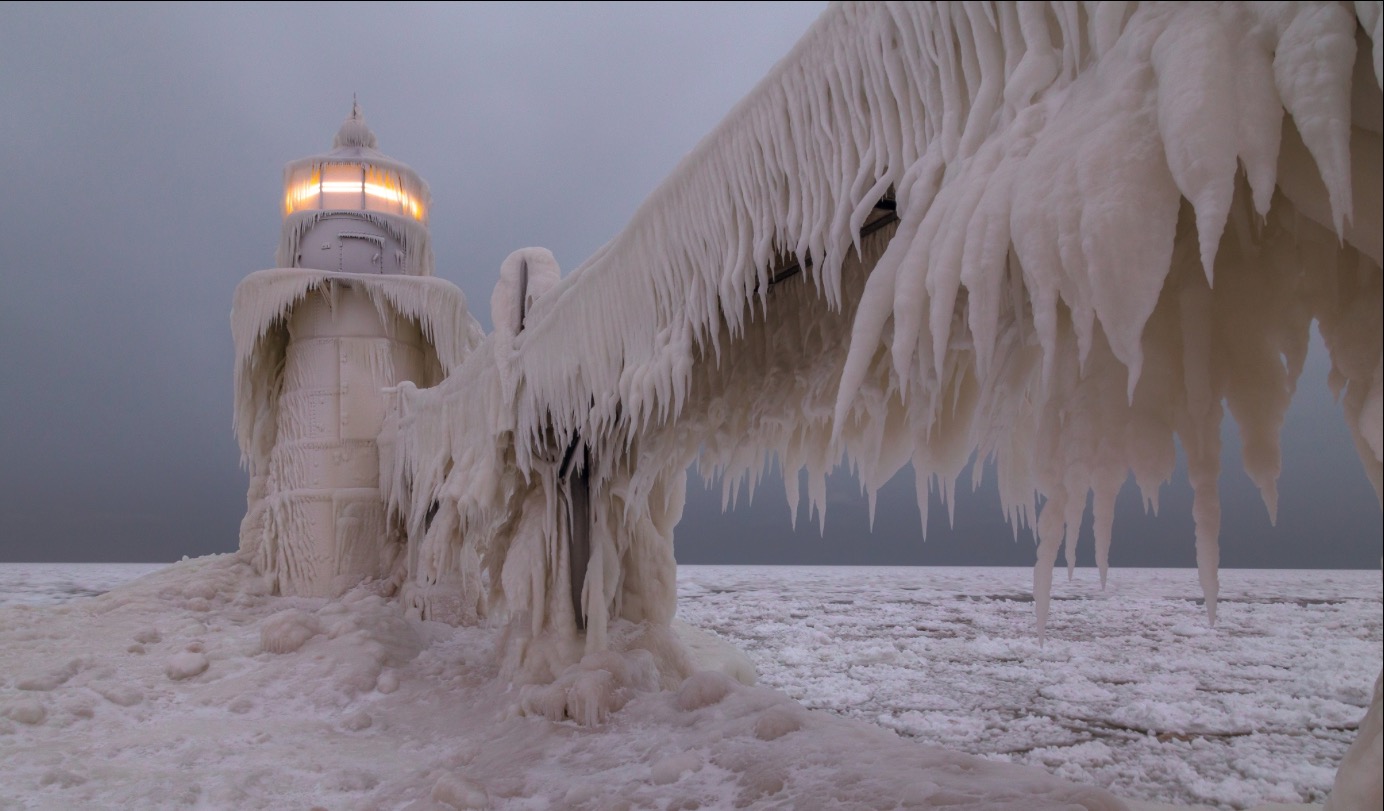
353	187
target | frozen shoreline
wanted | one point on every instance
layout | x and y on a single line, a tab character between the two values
185	607
57	583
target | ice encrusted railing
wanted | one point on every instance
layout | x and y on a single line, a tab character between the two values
1070	180
1115	222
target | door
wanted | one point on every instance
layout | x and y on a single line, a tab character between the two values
361	253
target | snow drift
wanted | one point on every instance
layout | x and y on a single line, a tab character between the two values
196	688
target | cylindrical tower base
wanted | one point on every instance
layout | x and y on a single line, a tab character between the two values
329	527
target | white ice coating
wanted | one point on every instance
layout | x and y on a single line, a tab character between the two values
410	234
1115	221
264	299
1070	179
313	351
532	270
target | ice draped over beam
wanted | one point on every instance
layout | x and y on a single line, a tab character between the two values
1115	221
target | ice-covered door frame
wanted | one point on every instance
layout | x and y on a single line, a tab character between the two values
376	241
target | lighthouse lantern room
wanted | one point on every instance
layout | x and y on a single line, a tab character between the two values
355	210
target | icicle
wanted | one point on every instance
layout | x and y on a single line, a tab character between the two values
1312	69
1049	542
1196	108
1103	520
1076	508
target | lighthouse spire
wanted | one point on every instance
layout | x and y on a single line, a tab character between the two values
354	131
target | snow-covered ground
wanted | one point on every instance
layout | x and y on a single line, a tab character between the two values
192	688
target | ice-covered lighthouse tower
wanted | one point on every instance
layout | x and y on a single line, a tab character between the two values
351	309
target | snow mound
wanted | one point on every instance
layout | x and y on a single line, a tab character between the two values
714	653
25	711
53	679
672	768
778	721
589	691
186	664
704	688
288	631
459	793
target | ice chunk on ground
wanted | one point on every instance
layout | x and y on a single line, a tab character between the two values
459	792
186	664
288	631
25	711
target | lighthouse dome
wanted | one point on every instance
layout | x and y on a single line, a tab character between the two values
354	131
354	209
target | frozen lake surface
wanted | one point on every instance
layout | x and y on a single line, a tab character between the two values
1131	691
57	583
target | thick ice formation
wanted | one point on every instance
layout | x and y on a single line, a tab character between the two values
313	351
1070	181
1112	222
525	275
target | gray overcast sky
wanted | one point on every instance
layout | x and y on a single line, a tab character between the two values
140	181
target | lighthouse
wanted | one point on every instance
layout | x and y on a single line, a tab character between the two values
351	310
